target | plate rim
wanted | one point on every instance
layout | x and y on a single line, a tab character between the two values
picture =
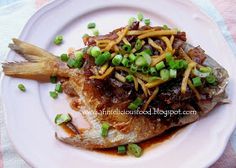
52	4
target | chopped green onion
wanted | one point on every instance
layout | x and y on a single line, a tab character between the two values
200	74
64	57
138	44
131	21
117	60
89	50
21	87
125	62
91	25
58	39
135	150
85	35
145	70
147	51
132	106
147	57
101	59
71	63
78	63
95	32
95	51
53	79
160	65
121	149
205	69
53	94
211	79
165	74
147	22
79	55
173	73
138	101
126	48
141	61
133	68
132	57
153	71
182	64
197	81
62	118
165	27
169	57
140	16
129	78
58	88
104	129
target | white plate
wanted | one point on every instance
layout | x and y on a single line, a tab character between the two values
29	116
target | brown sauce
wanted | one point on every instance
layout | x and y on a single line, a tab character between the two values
146	145
68	130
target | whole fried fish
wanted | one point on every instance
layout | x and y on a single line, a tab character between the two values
111	94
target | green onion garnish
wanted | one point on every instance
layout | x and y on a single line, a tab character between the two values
21	87
58	88
211	79
95	32
169	57
64	57
145	70
133	68
62	118
78	63
165	27
141	61
129	78
53	94
89	50
153	71
160	66
53	79
165	74
121	149
71	62
117	60
205	69
147	22
134	105
104	129
101	59
126	48
140	16
58	39
132	57
173	73
197	81
135	150
91	25
95	51
125	62
138	44
131	21
79	55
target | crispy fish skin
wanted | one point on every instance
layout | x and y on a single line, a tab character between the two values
42	63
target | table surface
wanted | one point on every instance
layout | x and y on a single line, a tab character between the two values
15	13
